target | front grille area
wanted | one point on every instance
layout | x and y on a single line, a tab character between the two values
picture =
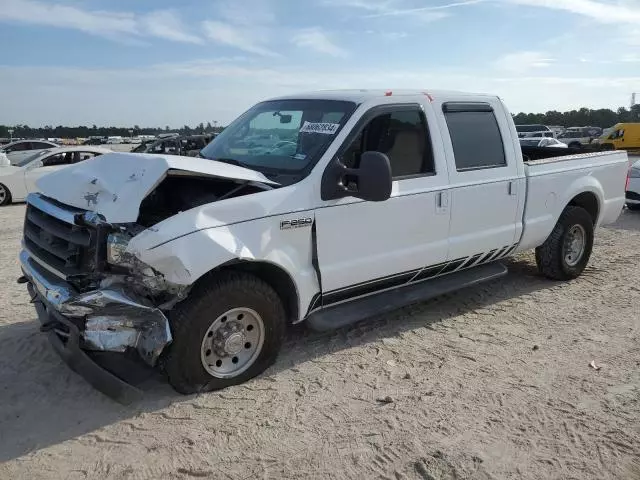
62	246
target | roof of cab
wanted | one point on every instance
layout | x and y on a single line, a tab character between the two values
360	96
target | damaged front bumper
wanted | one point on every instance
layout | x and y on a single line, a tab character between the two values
106	319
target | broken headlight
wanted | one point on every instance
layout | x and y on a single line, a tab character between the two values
117	250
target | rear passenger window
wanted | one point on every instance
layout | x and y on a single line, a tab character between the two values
475	136
402	135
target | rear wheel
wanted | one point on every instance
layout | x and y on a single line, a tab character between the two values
633	206
5	195
565	254
225	333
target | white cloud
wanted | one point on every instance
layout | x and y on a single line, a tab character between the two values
247	12
221	89
121	26
242	38
315	39
603	12
384	10
400	8
523	61
166	24
94	22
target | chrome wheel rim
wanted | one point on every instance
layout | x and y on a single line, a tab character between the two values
3	194
574	244
232	343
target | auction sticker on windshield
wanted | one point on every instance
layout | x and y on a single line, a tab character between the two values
323	128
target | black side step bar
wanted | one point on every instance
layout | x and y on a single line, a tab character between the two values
347	313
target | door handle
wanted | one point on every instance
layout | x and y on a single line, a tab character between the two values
442	200
512	188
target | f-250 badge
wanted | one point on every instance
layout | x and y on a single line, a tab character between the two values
297	223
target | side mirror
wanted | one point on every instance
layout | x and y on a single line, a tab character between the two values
371	182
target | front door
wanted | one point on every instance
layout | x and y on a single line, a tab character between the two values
366	247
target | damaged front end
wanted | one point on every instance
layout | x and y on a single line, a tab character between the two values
90	294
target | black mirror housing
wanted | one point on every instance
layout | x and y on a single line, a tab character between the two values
371	181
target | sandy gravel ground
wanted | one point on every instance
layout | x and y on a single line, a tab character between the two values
488	383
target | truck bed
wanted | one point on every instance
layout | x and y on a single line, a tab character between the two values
553	182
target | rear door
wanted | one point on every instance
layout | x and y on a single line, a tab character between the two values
486	177
367	247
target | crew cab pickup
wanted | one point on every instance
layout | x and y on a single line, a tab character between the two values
198	265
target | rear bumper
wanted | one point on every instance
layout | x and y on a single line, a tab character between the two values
632	197
104	320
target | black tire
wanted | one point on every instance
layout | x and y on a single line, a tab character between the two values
550	256
6	198
576	145
191	319
633	206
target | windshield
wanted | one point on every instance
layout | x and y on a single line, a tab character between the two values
281	136
31	158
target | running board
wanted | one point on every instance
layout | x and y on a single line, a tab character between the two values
337	316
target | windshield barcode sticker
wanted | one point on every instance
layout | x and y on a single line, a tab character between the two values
323	128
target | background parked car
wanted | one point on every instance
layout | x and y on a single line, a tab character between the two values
523	130
18	151
624	136
17	181
633	187
542	142
577	137
187	146
541	134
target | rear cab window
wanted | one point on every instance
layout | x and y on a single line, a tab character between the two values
475	136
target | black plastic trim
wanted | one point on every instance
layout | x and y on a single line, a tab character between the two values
71	353
458	107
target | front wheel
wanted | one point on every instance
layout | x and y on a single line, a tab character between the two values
565	254
5	195
226	332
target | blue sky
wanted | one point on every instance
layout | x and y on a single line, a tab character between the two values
157	62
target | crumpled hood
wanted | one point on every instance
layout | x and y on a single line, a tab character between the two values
115	184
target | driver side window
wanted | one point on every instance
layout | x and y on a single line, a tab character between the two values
402	135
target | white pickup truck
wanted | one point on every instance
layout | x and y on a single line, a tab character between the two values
198	265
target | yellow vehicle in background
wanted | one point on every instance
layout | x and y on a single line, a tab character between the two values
625	136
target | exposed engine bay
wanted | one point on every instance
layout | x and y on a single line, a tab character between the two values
180	192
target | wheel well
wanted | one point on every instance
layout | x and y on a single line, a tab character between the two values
271	274
589	202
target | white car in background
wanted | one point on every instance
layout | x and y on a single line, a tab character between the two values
632	193
577	137
15	152
542	142
17	181
526	130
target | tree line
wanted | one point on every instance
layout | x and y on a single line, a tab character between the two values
603	117
49	131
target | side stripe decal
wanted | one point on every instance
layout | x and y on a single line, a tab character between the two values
406	278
